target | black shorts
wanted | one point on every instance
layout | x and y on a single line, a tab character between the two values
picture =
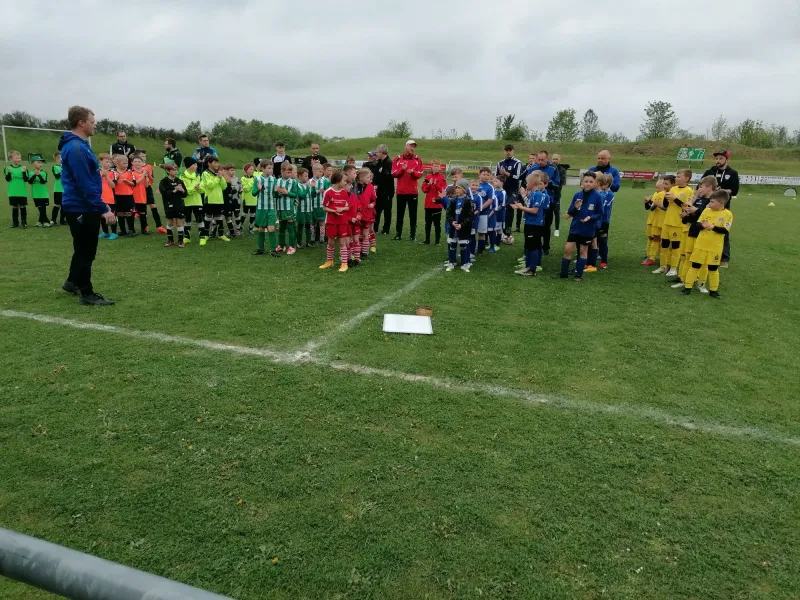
214	210
124	204
533	237
151	199
188	211
604	228
37	202
174	210
582	240
249	210
57	198
141	209
18	201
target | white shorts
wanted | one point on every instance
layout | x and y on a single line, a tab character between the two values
483	224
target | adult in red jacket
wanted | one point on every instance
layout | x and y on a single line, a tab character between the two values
407	169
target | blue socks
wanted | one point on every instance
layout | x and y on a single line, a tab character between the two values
603	243
451	252
564	268
472	245
579	267
592	257
481	245
465	260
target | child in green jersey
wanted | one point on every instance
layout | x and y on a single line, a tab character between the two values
41	196
266	213
286	193
319	184
17	175
305	214
58	190
248	198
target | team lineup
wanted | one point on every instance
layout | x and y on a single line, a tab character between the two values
287	207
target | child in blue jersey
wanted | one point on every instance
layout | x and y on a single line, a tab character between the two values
534	207
486	202
459	214
497	217
608	204
474	195
591	262
584	210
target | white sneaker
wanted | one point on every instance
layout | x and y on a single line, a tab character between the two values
523	271
677	286
449	266
466	267
660	270
672	273
703	289
539	268
556	233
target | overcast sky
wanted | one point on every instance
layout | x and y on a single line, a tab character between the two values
346	68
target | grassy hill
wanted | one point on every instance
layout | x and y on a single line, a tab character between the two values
650	156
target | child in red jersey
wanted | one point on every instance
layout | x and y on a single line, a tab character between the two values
433	187
336	204
353	216
365	192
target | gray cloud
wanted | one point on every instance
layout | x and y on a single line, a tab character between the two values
347	68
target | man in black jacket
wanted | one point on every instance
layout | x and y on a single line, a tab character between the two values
727	179
122	146
384	188
314	157
556	204
279	158
171	153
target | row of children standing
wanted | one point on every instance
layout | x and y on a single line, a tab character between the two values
19	177
686	231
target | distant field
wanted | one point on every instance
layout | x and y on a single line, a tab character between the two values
242	424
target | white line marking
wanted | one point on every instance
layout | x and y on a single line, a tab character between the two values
643	413
323	340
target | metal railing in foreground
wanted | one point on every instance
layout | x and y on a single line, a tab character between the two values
81	576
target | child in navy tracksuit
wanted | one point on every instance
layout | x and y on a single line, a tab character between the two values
497	218
534	208
608	203
585	210
459	215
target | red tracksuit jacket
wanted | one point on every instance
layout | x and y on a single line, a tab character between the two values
407	177
432	186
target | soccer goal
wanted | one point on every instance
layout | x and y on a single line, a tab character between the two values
470	166
25	138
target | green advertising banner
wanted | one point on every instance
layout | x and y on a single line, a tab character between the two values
690	154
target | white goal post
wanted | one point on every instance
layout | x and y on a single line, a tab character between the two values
5	144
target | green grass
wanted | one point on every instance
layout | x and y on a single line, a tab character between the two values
203	466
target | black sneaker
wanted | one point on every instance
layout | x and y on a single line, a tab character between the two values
686	291
71	288
259	252
94	299
558	276
24	225
426	242
274	254
145	232
676	280
14	227
397	238
413	238
546	252
714	295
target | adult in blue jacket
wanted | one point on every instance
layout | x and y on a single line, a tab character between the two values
82	204
553	186
604	166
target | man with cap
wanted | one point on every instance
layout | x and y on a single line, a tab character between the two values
384	188
313	158
407	169
727	179
82	203
511	167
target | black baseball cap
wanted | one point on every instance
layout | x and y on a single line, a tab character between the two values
508	147
724	153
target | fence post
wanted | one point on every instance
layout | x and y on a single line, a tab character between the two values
81	576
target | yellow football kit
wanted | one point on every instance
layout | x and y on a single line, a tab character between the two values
707	250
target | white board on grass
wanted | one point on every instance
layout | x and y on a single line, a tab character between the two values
407	324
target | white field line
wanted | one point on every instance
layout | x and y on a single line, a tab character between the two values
642	413
323	340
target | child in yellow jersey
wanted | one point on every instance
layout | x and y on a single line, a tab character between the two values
672	230
654	205
691	215
716	221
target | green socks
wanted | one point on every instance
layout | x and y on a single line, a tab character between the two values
273	240
292	234
261	238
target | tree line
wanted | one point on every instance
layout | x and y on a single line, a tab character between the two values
231	132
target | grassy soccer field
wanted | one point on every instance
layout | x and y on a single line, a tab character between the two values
609	439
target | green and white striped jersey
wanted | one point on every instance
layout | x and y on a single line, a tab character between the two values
286	202
303	198
265	199
318	191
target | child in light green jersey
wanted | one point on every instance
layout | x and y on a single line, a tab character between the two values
58	190
38	182
319	184
266	212
17	176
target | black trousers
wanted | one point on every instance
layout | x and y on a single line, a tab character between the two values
726	249
548	222
383	206
84	227
410	200
433	216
